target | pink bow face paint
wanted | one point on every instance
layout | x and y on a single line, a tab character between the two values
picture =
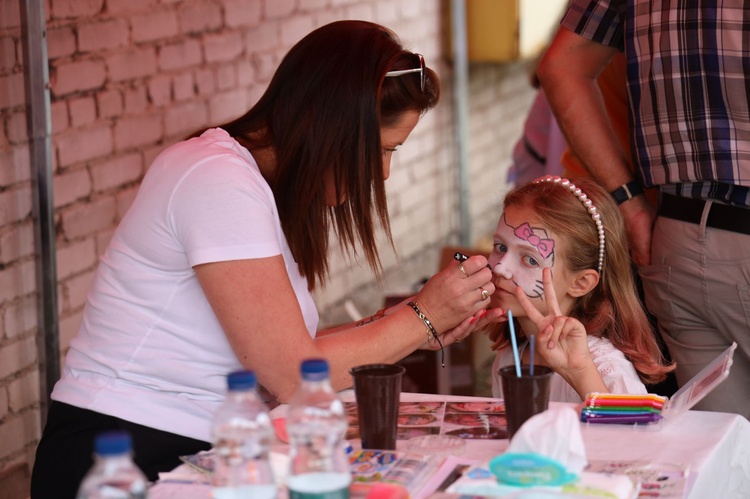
520	253
526	233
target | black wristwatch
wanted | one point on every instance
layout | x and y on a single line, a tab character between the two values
627	191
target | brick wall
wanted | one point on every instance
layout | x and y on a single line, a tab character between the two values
129	77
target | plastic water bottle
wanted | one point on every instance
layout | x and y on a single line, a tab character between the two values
242	434
114	475
316	425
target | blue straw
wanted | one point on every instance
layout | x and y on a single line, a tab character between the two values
531	355
514	343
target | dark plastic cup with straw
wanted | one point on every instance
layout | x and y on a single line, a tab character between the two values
525	388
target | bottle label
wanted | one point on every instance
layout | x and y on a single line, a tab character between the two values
331	494
319	486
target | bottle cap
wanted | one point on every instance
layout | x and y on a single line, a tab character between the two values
314	369
111	443
241	380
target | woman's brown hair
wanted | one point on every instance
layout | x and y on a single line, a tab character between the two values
321	115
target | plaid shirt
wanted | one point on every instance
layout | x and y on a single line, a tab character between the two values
689	89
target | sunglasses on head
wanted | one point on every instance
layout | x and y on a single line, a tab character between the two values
420	70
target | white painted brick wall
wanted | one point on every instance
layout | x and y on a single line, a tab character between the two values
222	46
109	103
16	432
105	35
82	111
17	355
14	165
79	145
160	90
240	13
76	76
136	99
183	86
20	317
119	7
61	42
11	91
8	52
4	403
199	16
136	131
23	391
71	186
116	172
15	204
131	77
185	118
179	55
154	26
17	242
76	8
87	219
132	64
75	258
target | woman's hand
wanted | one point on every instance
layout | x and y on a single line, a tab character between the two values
455	295
562	341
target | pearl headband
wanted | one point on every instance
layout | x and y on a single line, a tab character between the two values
586	203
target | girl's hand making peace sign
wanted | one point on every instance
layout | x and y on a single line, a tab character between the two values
561	341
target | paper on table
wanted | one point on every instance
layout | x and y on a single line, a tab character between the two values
450	465
177	490
199	467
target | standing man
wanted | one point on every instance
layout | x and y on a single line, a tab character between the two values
688	75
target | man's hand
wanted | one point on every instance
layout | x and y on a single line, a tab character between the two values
639	217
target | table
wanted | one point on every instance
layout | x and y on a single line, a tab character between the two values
714	446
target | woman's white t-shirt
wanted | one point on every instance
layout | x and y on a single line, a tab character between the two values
150	349
616	370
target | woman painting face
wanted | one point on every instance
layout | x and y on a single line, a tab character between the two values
521	250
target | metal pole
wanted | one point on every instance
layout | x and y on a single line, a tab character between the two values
461	108
36	83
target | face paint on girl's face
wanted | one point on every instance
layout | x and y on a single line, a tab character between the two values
520	253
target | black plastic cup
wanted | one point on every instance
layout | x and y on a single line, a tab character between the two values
377	388
524	396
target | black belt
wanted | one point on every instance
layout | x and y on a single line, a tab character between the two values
720	216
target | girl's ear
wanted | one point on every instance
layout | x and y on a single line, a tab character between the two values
584	282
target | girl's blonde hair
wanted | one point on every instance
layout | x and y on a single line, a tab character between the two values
612	309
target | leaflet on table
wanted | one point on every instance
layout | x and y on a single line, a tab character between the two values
476	420
662	480
410	471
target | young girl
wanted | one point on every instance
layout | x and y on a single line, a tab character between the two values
560	263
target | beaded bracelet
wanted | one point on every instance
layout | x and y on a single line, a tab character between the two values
430	329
